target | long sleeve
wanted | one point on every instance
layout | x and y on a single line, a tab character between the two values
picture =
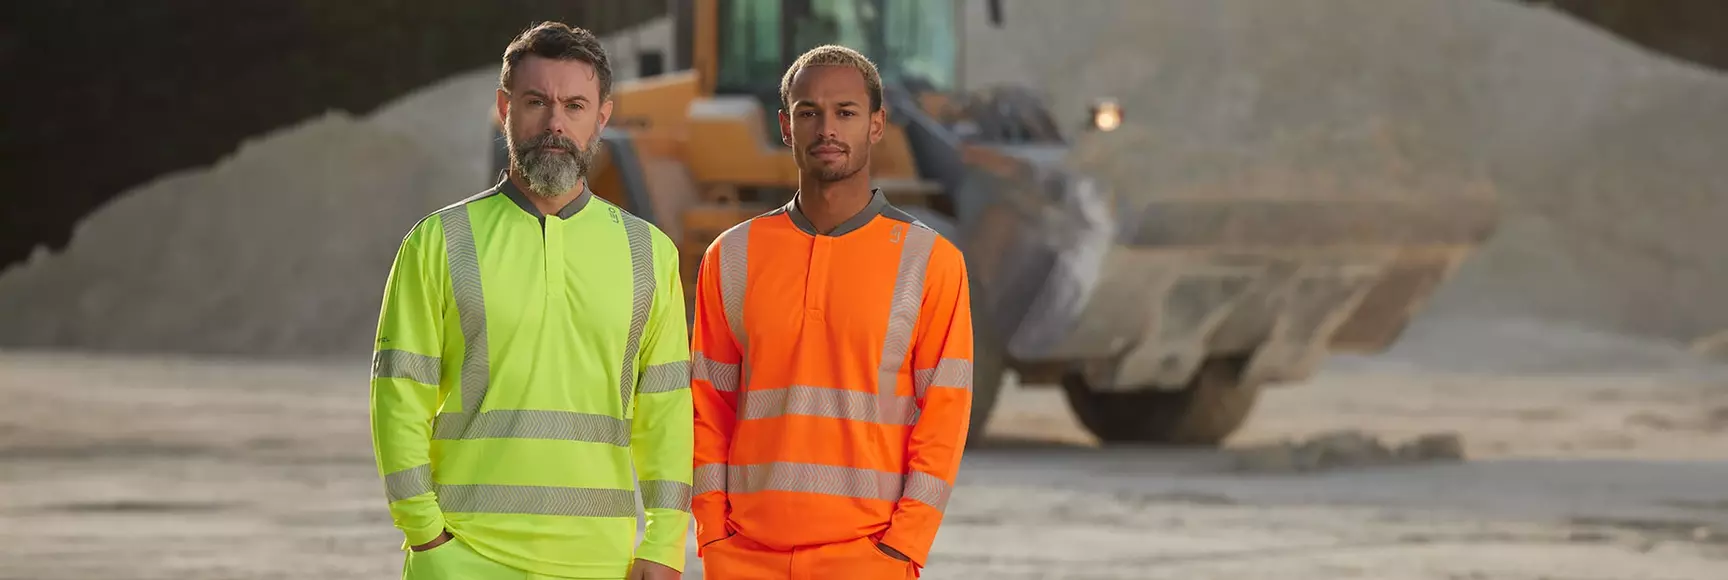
407	366
942	371
661	426
715	360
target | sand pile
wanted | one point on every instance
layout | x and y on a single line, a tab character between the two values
1607	158
280	249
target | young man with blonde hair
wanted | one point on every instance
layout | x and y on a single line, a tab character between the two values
832	359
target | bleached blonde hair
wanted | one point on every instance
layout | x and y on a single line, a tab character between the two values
834	55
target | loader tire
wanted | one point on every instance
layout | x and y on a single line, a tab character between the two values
1205	413
988	368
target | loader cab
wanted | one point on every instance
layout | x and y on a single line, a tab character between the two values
912	42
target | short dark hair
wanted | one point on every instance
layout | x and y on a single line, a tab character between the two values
834	55
558	41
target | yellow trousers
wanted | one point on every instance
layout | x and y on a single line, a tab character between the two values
454	560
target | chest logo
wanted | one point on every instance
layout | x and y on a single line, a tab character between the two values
614	214
897	233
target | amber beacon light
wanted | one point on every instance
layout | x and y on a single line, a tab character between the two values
1106	115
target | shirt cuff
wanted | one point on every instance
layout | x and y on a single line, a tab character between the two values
671	556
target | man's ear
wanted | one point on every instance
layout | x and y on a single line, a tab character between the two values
878	124
605	115
503	110
785	128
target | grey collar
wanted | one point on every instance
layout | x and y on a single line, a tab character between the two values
878	202
517	195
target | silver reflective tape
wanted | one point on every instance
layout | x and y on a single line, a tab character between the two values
709	477
734	277
464	264
401	364
952	373
827	402
642	298
928	489
666	377
903	311
408	483
663	494
533	424
723	376
537	500
815	478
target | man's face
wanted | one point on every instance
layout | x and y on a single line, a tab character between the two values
553	116
830	126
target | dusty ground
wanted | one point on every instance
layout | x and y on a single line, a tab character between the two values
158	468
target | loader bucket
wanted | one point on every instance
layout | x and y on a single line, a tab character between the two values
1143	287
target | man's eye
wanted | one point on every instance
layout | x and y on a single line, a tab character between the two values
574	106
806	114
848	113
536	102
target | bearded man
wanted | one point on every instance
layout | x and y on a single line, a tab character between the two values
532	351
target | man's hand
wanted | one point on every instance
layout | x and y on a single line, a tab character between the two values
438	541
651	570
891	552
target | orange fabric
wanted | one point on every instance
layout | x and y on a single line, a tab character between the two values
832	382
739	558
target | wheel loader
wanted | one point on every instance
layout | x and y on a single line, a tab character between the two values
1162	325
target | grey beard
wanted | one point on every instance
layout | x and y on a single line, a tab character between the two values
552	174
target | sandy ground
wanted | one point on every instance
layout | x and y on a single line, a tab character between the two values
157	468
1590	457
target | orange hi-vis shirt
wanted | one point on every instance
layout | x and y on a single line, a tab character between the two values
832	380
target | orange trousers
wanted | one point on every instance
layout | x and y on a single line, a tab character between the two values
740	558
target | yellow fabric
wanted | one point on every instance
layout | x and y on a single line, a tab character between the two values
567	334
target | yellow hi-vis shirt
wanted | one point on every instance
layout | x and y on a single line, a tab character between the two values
524	363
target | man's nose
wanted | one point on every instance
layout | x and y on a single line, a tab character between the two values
825	126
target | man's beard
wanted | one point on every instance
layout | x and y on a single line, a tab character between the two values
552	173
827	175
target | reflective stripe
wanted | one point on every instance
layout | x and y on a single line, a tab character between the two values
409	482
903	312
401	364
723	376
949	372
642	298
464	265
815	478
666	495
826	402
709	477
465	283
537	500
666	377
928	489
534	424
734	277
